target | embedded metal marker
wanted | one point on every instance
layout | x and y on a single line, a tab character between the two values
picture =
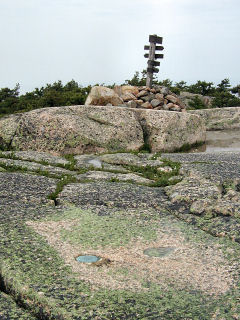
159	252
153	39
87	259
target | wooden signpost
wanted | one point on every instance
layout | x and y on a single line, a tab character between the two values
152	56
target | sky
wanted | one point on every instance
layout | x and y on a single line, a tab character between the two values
102	41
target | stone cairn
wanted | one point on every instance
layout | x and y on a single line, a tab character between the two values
156	98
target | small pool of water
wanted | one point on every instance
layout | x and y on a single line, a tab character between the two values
219	141
87	259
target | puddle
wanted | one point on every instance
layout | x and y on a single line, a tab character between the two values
96	163
218	141
158	252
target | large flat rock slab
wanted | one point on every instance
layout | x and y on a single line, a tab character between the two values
90	129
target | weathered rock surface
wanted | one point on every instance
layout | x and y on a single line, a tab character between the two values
167	131
211	188
220	118
36	156
76	129
129	159
34	167
94	161
89	129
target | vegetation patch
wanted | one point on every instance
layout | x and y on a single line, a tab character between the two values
161	178
63	181
186	146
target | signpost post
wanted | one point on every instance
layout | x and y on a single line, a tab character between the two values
154	40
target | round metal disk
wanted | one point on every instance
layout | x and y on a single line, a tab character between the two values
87	259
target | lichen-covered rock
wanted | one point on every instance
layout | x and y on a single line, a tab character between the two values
101	96
76	129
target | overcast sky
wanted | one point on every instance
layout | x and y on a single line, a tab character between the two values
101	41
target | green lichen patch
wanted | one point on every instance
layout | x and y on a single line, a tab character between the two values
93	231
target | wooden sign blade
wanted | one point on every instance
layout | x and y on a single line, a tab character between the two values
159	56
146	47
155	39
152	70
159	48
153	63
146	55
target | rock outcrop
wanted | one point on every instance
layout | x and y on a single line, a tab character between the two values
89	129
220	118
157	98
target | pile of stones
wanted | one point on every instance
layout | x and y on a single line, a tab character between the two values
157	98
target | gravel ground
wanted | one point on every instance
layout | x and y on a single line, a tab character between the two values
215	166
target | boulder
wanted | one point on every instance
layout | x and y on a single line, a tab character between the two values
101	96
168	131
75	129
